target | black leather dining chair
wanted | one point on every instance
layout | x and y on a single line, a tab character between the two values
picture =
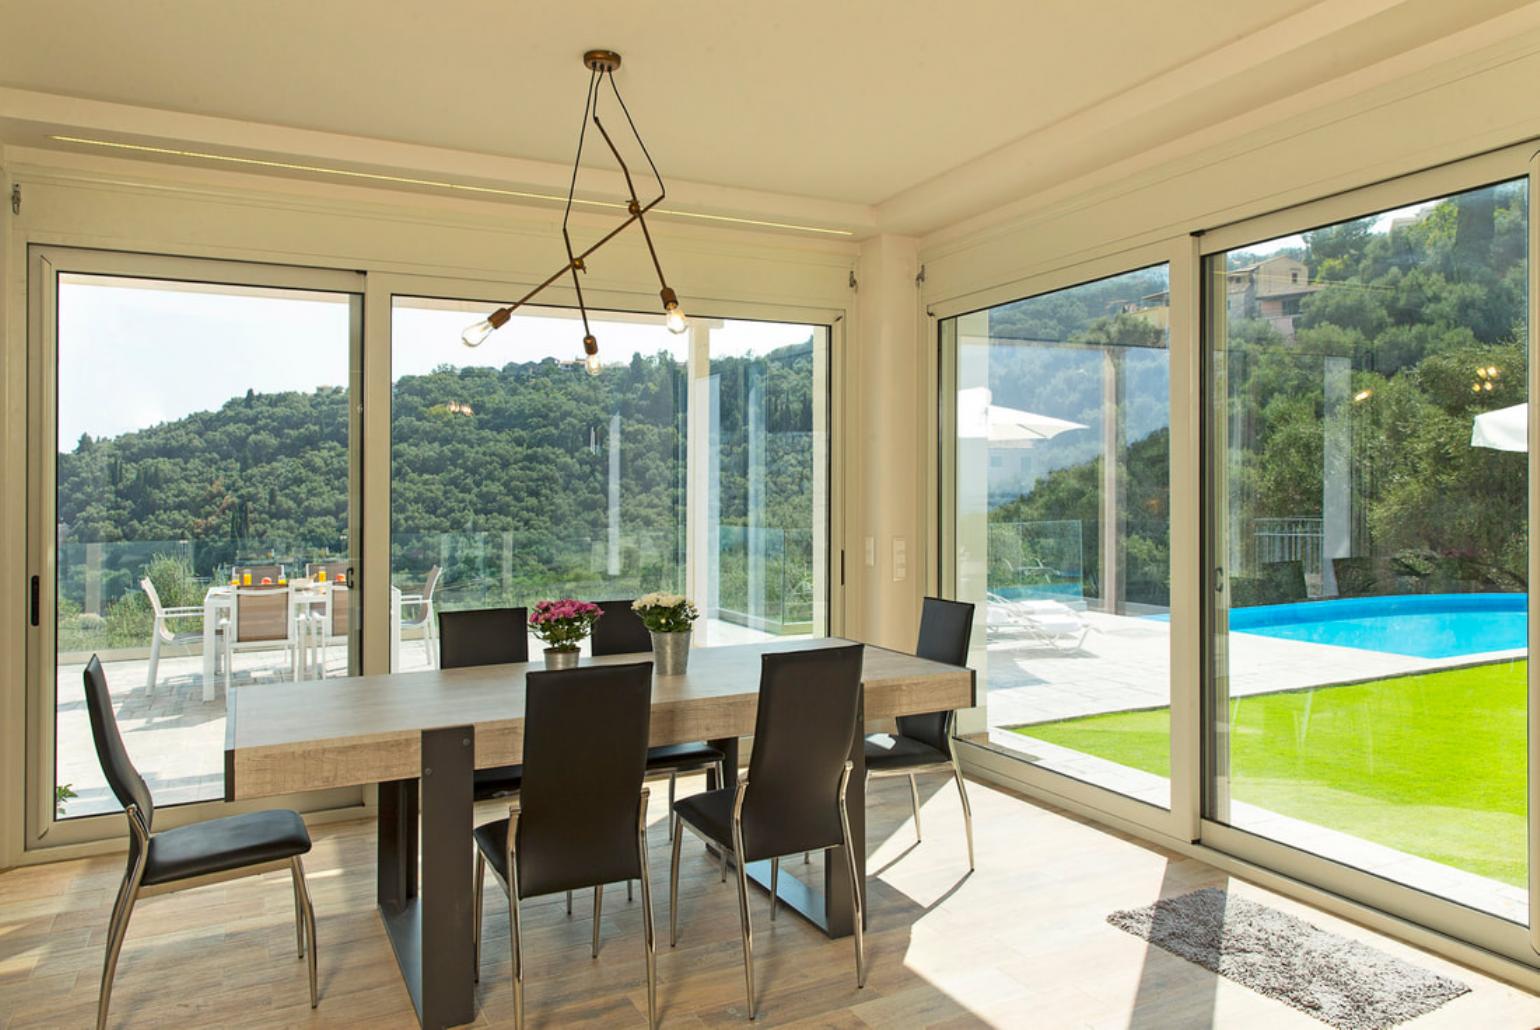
581	818
794	796
485	636
621	631
923	743
161	861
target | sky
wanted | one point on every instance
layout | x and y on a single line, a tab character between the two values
1381	224
133	354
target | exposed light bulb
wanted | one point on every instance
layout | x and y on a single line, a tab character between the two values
673	313
476	335
593	364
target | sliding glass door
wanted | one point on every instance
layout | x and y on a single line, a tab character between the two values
195	464
693	463
1368	485
1060	514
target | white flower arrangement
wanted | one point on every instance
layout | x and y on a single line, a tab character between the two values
666	613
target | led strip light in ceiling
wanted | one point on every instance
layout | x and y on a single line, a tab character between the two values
443	184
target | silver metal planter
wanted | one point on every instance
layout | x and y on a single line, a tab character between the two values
671	653
555	659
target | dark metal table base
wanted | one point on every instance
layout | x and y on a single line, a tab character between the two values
431	931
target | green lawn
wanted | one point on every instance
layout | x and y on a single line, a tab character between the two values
1432	764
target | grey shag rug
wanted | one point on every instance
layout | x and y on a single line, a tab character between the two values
1342	983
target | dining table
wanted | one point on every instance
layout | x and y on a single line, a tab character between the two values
420	735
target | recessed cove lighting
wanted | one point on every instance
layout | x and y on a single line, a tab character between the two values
443	184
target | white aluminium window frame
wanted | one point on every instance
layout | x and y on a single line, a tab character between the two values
42	831
384	288
1482	929
1426	918
1180	820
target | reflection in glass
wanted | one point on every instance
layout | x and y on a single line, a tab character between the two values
1062	524
691	463
1370	516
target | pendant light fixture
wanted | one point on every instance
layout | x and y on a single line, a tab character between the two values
601	65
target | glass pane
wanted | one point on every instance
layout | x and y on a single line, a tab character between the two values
691	464
1062	487
202	438
1369	491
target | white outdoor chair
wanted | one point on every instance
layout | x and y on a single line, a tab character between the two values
162	634
1050	623
259	618
331	621
423	617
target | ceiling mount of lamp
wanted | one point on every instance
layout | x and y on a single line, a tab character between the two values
601	65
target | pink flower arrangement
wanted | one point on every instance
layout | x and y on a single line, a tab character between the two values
563	624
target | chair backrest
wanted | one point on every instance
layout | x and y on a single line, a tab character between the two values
946	628
336	571
482	636
342	610
259	614
148	586
585	753
430	584
126	783
808	710
620	630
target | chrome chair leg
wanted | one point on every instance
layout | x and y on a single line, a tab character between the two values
857	909
516	945
677	832
299	909
649	937
722	862
304	889
598	905
914	798
775	885
478	884
743	916
967	808
117	929
569	903
673	775
629	895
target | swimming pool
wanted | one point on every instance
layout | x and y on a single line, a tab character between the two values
1419	625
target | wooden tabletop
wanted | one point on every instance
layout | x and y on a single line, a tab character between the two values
345	731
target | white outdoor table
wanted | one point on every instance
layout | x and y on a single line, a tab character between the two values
216	607
419	735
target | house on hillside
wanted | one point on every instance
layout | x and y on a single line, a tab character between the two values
1271	289
1154	308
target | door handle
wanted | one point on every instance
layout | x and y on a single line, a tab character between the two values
36	602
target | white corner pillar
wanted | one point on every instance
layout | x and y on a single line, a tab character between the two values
886	539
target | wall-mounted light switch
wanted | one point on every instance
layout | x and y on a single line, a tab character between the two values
900	560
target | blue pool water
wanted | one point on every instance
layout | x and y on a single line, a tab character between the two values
1420	625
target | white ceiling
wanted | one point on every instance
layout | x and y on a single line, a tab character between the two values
854	101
